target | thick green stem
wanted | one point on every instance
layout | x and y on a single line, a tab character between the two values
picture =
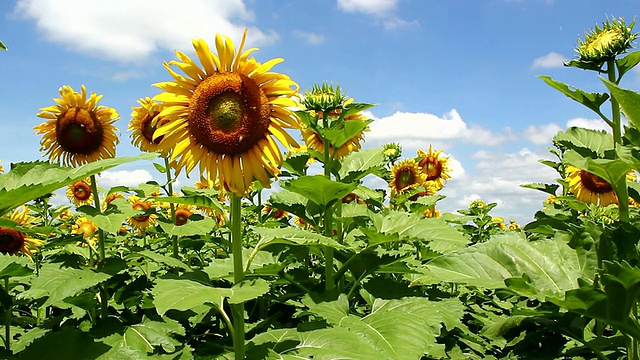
617	129
237	310
96	201
7	325
172	206
328	215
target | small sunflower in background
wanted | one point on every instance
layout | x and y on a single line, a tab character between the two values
226	115
592	189
79	193
406	176
605	43
78	130
434	166
110	198
142	221
13	241
276	214
87	229
1	168
183	212
143	124
432	212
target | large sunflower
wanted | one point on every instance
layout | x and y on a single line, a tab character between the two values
145	220
13	241
79	130
80	193
143	124
590	188
405	176
224	115
314	141
434	166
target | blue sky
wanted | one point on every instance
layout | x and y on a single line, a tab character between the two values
460	75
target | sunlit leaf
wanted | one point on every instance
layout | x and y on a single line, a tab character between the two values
629	100
546	188
345	132
248	290
319	189
183	294
159	258
591	100
11	265
627	63
587	142
192	199
357	165
192	227
149	334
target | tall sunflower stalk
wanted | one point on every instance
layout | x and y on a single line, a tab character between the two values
224	117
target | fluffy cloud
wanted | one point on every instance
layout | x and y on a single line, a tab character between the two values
595	124
542	134
131	178
375	7
130	31
309	37
551	60
406	128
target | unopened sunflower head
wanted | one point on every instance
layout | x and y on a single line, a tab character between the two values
77	130
392	151
226	114
143	124
606	42
13	241
80	193
325	98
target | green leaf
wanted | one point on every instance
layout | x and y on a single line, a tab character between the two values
248	290
627	63
161	259
27	338
195	199
3	46
586	142
546	188
291	202
183	294
160	168
60	283
629	100
591	100
357	165
193	227
296	163
11	265
345	131
319	189
550	267
149	334
110	223
332	311
27	181
69	343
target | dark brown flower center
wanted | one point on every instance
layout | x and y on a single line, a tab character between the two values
147	129
182	215
229	113
81	190
405	177
79	131
594	183
139	205
11	241
432	167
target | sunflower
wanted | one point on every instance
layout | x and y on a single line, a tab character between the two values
110	198
87	229
13	241
590	188
145	220
276	214
405	176
434	166
602	44
143	124
1	168
432	212
315	142
80	192
183	212
225	115
78	130
499	222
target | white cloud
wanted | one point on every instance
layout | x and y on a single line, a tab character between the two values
404	127
542	134
551	60
132	178
374	7
396	22
309	37
130	31
595	124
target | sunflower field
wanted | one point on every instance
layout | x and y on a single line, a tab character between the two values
322	266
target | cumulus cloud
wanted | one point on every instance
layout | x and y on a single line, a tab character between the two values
309	37
541	134
130	31
595	124
130	178
410	127
551	60
374	7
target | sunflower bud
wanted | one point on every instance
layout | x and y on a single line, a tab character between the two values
325	99
605	43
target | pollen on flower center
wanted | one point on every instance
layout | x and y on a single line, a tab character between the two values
594	183
11	241
78	131
228	113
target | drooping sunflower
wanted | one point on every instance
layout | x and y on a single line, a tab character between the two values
434	165
225	115
405	176
143	221
78	130
183	212
80	192
14	241
590	188
143	125
606	42
314	141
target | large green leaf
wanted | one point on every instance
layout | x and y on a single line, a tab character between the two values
159	258
550	267
346	130
183	294
248	290
627	63
591	100
357	165
196	199
291	202
587	142
27	181
60	283
192	227
319	189
110	223
69	343
11	265
629	100
149	334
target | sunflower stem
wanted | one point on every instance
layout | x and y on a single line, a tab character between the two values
237	310
328	215
617	131
7	326
96	201
172	206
